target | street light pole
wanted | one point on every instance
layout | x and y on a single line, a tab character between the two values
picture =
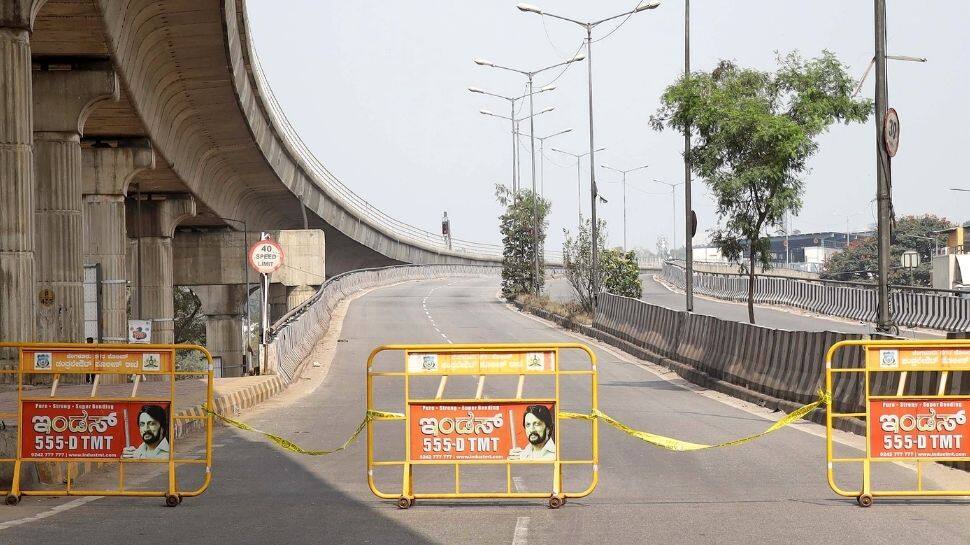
579	179
542	169
688	210
884	321
624	173
535	201
515	128
245	272
589	25
673	200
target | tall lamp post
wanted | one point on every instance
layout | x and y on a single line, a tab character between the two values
673	202
624	173
689	225
530	75
542	158
589	26
515	129
579	179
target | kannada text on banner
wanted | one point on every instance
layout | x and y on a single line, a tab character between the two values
144	361
452	431
95	429
482	363
918	428
917	359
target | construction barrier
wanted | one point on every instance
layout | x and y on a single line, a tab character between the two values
909	416
910	306
512	431
126	431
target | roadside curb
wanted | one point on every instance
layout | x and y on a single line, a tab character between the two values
686	371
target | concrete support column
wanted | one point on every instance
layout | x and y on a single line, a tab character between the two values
106	173
157	292
62	100
222	307
17	289
296	295
278	302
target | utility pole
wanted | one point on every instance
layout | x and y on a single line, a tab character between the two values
688	215
884	321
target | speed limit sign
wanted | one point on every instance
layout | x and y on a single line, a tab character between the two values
890	132
266	256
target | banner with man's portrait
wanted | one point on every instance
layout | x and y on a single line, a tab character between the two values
483	430
95	429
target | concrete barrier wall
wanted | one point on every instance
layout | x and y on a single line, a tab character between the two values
295	334
948	311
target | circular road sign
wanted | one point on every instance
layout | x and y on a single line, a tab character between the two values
266	256
890	132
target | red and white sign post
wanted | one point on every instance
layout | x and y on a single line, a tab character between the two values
265	257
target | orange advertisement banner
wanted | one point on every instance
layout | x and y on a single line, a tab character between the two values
65	360
482	363
919	428
454	431
95	429
917	359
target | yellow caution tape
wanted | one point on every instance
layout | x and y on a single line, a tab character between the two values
668	443
677	445
293	447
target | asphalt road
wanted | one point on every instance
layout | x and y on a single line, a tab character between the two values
656	293
769	491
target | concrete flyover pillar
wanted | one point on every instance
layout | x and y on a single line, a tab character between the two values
64	93
17	289
278	302
155	296
106	172
296	295
223	310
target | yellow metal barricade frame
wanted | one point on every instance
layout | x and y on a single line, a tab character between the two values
172	494
866	493
406	497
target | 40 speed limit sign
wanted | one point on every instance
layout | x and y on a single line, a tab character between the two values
266	256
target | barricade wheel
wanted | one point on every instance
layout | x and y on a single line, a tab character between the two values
555	502
865	500
404	503
172	500
12	499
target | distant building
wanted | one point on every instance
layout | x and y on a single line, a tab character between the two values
951	264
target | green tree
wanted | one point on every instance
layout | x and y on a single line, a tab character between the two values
755	132
859	262
519	247
189	321
619	272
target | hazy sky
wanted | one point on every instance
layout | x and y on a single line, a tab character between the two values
378	91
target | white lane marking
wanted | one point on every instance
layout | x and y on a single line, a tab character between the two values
517	484
50	512
424	305
521	535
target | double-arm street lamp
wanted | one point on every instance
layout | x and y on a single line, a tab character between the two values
589	26
673	201
542	157
624	173
579	179
530	75
516	184
515	130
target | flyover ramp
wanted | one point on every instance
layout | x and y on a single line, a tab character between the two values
769	491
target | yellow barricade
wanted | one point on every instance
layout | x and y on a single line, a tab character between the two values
512	431
125	430
908	414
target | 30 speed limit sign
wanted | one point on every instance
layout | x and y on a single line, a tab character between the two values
266	256
890	132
